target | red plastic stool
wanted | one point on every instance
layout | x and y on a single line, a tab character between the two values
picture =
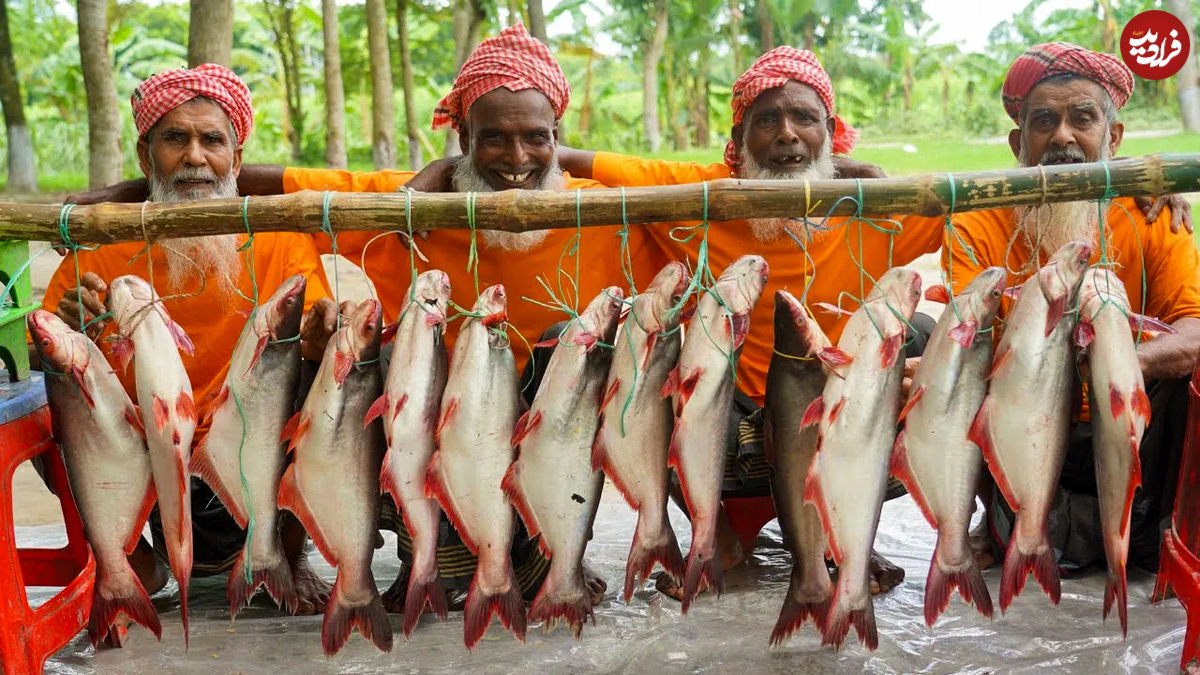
1179	566
29	636
748	515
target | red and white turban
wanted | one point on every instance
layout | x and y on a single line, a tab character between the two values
775	69
1056	58
162	93
515	60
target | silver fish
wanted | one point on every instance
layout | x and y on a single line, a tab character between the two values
932	455
333	486
149	336
409	406
701	387
795	379
857	414
636	423
241	457
104	448
552	483
1023	424
479	411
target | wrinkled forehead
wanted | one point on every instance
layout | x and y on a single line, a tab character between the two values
511	112
792	97
1065	95
200	115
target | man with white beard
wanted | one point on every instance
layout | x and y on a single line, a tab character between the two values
784	127
191	125
1065	100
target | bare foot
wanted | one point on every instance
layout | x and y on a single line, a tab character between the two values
980	541
884	574
312	592
595	585
393	597
731	556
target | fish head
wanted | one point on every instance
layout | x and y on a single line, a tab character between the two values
432	292
128	295
363	330
1101	284
1060	277
742	282
665	298
60	347
597	323
280	317
980	300
901	288
492	306
792	318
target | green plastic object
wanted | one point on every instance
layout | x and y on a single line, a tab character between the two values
14	351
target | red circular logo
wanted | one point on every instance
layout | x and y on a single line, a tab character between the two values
1155	44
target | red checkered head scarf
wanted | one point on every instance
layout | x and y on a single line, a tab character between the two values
515	60
162	93
1057	58
775	69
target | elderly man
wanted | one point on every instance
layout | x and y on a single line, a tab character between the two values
191	125
1064	100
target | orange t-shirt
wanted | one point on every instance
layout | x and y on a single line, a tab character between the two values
387	259
1166	262
210	320
829	266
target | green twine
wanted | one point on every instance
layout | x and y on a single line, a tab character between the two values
64	222
473	252
327	228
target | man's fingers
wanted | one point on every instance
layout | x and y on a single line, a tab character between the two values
1150	207
92	281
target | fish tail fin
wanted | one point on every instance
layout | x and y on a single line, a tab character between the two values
181	568
1115	593
277	578
842	615
942	580
650	548
702	567
799	607
422	592
340	618
481	604
567	600
1018	564
130	600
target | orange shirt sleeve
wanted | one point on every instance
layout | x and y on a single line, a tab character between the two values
1172	267
918	235
616	170
296	179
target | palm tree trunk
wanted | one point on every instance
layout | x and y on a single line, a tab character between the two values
651	55
383	121
1187	82
537	20
762	12
415	161
335	92
22	176
210	32
104	120
468	18
735	36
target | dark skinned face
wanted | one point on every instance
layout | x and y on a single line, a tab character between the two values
785	128
1064	123
510	137
195	135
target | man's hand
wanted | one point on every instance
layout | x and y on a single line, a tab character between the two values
436	176
319	325
910	369
136	190
89	294
851	168
1181	210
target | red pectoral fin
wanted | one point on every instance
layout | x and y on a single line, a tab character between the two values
182	341
740	326
1055	313
998	362
185	407
964	333
688	387
813	413
672	384
389	332
834	309
376	410
837	410
587	339
400	405
889	351
525	426
548	343
215	404
1115	401
447	415
834	358
912	402
295	429
1140	404
161	413
342	363
1084	334
83	387
608	395
938	293
1147	324
258	352
122	349
1012	291
133	416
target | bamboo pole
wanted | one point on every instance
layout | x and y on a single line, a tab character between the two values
522	210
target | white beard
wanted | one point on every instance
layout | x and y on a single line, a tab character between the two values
769	229
213	258
467	179
1048	227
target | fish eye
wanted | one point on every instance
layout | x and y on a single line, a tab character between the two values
46	342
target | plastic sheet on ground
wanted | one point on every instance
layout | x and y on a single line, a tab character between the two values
649	635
